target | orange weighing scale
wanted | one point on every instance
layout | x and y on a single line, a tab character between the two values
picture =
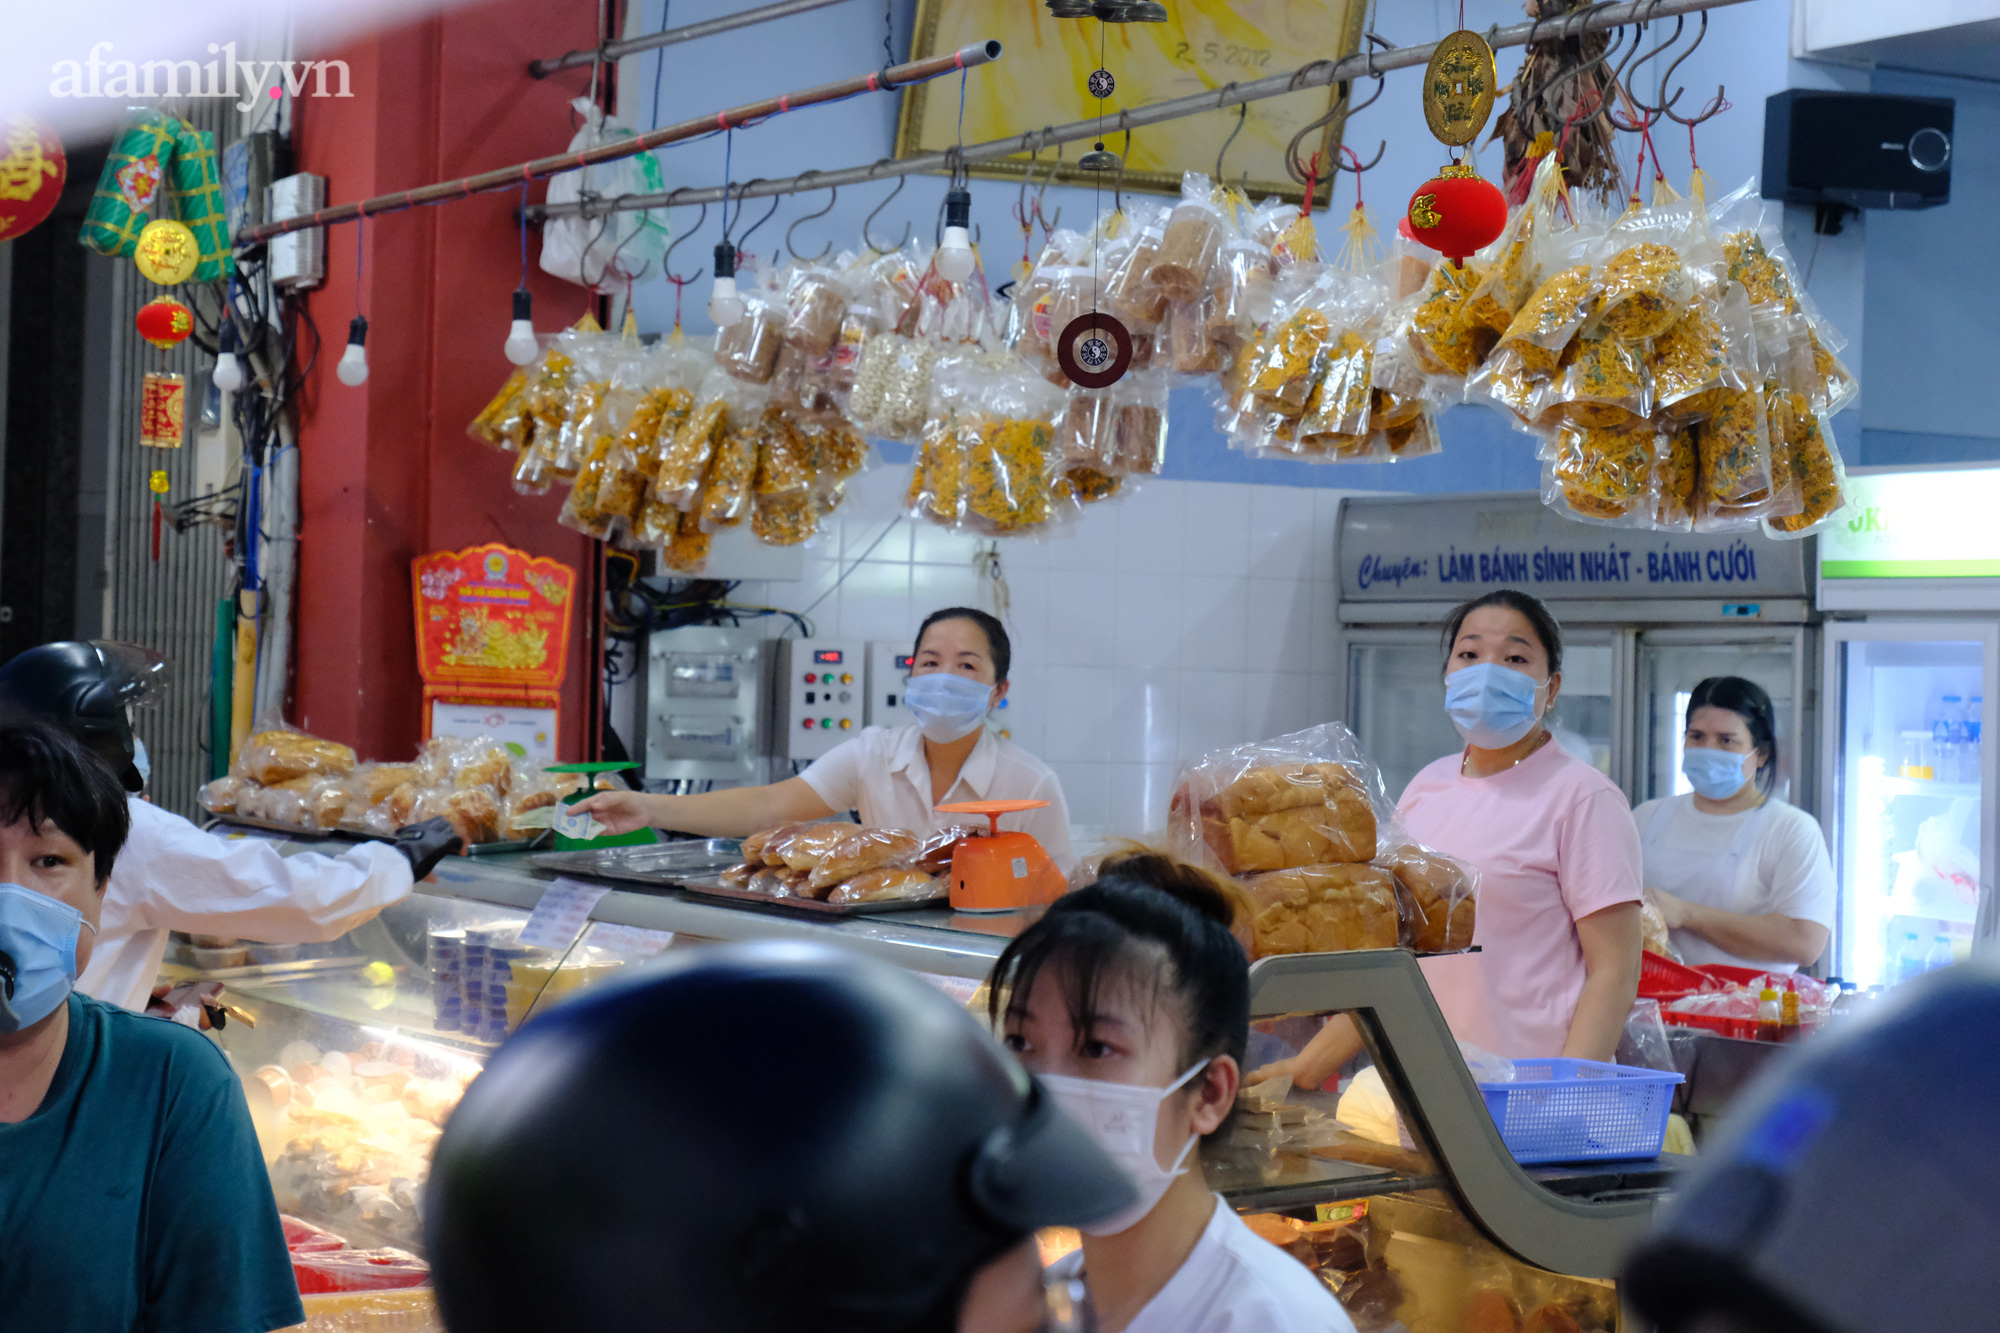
1000	872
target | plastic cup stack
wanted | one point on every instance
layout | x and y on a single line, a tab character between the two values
447	959
501	957
472	981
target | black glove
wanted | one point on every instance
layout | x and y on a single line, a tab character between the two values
427	843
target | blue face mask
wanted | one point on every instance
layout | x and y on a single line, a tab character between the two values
1715	774
37	955
1491	705
949	707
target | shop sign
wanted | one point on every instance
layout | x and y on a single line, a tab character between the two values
493	634
1916	525
1447	550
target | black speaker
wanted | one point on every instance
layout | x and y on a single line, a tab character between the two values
1850	151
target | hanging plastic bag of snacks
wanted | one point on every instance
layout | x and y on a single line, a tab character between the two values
784	455
1190	243
726	490
1566	298
1694	355
1400	416
748	349
1676	479
1193	351
1031	325
685	550
547	404
1129	292
1242	293
1645	278
601	496
1733	446
1816	465
1445	341
1011	458
937	491
1601	473
1604	378
892	386
684	459
815	302
1509	270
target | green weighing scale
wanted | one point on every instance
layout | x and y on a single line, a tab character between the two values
640	837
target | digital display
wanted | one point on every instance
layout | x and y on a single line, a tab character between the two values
829	656
905	662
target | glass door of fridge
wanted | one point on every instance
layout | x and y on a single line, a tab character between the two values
1673	661
1395	701
1906	777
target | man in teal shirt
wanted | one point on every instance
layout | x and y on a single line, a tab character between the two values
132	1192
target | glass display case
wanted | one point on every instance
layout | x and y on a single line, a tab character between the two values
357	1057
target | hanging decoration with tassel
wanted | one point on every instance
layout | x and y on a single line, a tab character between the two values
1458	211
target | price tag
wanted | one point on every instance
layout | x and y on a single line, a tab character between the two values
630	939
561	914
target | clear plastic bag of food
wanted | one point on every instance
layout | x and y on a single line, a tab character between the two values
684	460
609	465
785	462
1445	341
815	301
1030	323
1601	473
1139	424
748	349
1129	292
598	359
1437	898
1603	370
1508	268
840	452
1747	229
1414	438
1832	385
1504	382
863	849
1553	312
889	884
1242	292
1290	360
1734	449
1676	479
1011	458
545	400
279	755
726	489
1700	351
892	387
1340	399
1645	277
1190	242
504	422
1192	350
1084	432
1807	437
1322	907
1309	798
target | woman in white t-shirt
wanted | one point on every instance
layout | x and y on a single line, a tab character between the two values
1130	1001
1741	877
892	777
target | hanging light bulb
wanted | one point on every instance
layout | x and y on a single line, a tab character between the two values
521	346
725	307
353	367
228	372
954	256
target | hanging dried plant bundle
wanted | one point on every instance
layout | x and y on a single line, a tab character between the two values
1548	93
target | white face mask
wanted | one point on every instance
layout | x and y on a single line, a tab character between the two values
1123	1117
948	707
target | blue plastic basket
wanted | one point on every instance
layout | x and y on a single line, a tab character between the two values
1562	1110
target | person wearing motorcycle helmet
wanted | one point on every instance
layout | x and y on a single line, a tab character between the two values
600	1174
1852	1189
172	875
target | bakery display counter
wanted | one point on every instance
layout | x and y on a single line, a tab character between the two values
361	1048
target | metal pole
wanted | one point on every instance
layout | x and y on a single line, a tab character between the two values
613	51
915	71
1318	74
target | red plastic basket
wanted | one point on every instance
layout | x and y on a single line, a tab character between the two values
1745	1028
1661	978
358	1270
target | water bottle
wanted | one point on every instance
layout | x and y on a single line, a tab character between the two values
1945	727
1908	961
1973	726
1939	954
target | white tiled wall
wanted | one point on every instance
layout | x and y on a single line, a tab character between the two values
1181	618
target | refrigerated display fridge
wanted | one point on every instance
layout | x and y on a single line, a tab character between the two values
1645	616
1914	576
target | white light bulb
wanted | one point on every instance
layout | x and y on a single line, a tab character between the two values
353	367
725	307
228	373
954	257
521	347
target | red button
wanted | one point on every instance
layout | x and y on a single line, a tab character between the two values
809	677
809	724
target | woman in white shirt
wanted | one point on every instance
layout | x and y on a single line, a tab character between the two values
893	777
1741	877
1130	1001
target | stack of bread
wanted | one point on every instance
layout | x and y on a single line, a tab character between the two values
481	786
846	864
1301	834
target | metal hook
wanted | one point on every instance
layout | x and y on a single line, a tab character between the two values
775	199
1242	113
866	227
1357	169
1541	97
676	241
1343	105
1614	88
1621	85
833	197
1714	108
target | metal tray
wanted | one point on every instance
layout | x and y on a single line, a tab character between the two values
712	888
661	865
352	834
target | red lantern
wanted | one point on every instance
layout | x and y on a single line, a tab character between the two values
32	168
164	322
1456	212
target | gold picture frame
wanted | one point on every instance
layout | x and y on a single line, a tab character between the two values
1204	45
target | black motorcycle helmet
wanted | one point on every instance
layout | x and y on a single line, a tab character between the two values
85	688
614	1168
1854	1189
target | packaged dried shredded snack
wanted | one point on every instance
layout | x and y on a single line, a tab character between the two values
815	302
1504	381
1194	350
784	456
1510	272
786	519
1734	448
1444	340
1695	354
1551	316
503	422
748	349
1647	281
1600	368
1192	239
684	460
1676	479
1807	437
1601	473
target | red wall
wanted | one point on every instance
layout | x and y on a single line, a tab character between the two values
387	472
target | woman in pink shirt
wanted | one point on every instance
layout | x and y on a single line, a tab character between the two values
1555	844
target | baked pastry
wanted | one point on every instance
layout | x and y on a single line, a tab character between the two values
220	796
271	757
939	844
1322	909
493	768
1269	788
474	814
806	848
1435	898
889	884
754	845
1340	830
865	849
738	876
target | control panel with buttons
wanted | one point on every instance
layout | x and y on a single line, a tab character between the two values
821	697
888	669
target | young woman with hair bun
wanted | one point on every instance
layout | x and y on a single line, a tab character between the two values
1130	1000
